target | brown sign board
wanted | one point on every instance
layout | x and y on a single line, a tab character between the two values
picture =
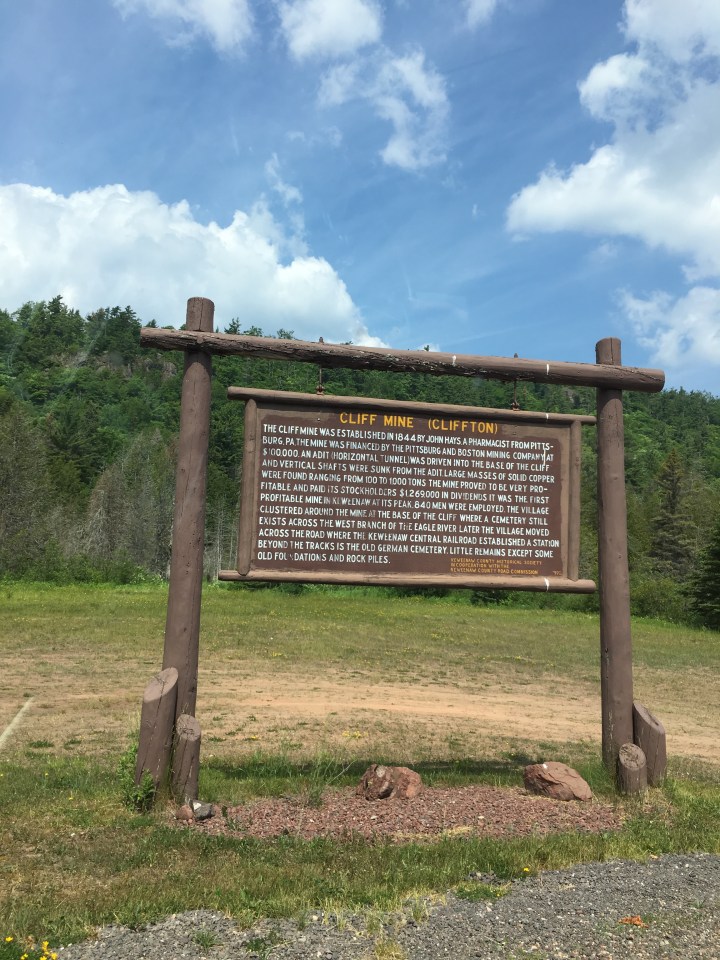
353	490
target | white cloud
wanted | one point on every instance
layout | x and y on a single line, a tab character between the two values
111	246
404	90
288	193
681	30
657	178
329	29
681	334
479	11
613	87
226	23
291	199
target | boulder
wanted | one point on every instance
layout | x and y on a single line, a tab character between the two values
202	811
556	780
389	783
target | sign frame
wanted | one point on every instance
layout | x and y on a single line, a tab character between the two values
566	431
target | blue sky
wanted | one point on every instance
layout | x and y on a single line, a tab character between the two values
484	176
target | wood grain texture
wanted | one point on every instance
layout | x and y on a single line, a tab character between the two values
157	721
182	627
290	399
616	674
247	501
186	758
649	735
469	582
574	498
407	361
631	769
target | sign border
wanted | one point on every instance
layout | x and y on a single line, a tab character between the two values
254	399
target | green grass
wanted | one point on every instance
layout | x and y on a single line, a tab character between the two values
74	857
340	627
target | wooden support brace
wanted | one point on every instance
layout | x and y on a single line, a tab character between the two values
186	758
632	769
157	721
649	735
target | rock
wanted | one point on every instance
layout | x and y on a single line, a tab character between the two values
202	811
389	783
556	780
184	813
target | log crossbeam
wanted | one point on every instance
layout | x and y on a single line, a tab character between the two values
330	355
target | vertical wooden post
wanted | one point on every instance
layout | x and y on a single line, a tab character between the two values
573	565
182	627
616	682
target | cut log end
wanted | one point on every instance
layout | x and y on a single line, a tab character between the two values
632	769
157	720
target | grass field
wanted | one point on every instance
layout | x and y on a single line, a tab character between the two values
298	691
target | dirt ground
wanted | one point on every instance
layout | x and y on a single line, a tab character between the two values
246	706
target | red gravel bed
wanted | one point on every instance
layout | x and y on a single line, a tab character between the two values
477	810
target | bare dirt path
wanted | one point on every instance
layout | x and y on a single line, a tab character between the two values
559	711
247	705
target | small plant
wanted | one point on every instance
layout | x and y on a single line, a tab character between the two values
261	946
10	949
324	771
206	939
389	950
137	796
481	891
419	909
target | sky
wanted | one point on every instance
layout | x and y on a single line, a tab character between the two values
485	177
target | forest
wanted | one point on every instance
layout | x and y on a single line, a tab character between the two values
88	428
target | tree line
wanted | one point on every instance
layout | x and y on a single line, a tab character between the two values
88	427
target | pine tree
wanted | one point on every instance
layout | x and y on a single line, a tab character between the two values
705	589
672	534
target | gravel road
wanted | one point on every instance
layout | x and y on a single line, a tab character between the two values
670	905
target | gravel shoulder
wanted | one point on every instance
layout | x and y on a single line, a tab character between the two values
666	908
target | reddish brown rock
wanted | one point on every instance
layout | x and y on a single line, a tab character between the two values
184	813
389	783
556	780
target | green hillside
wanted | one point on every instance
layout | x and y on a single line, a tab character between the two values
88	425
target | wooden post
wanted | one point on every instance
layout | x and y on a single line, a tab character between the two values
616	681
157	720
186	758
632	769
182	627
649	735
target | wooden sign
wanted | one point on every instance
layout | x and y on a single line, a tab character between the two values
354	490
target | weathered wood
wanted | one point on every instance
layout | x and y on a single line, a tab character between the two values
649	735
182	628
407	361
290	399
186	758
631	769
573	549
461	581
616	681
247	502
157	720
